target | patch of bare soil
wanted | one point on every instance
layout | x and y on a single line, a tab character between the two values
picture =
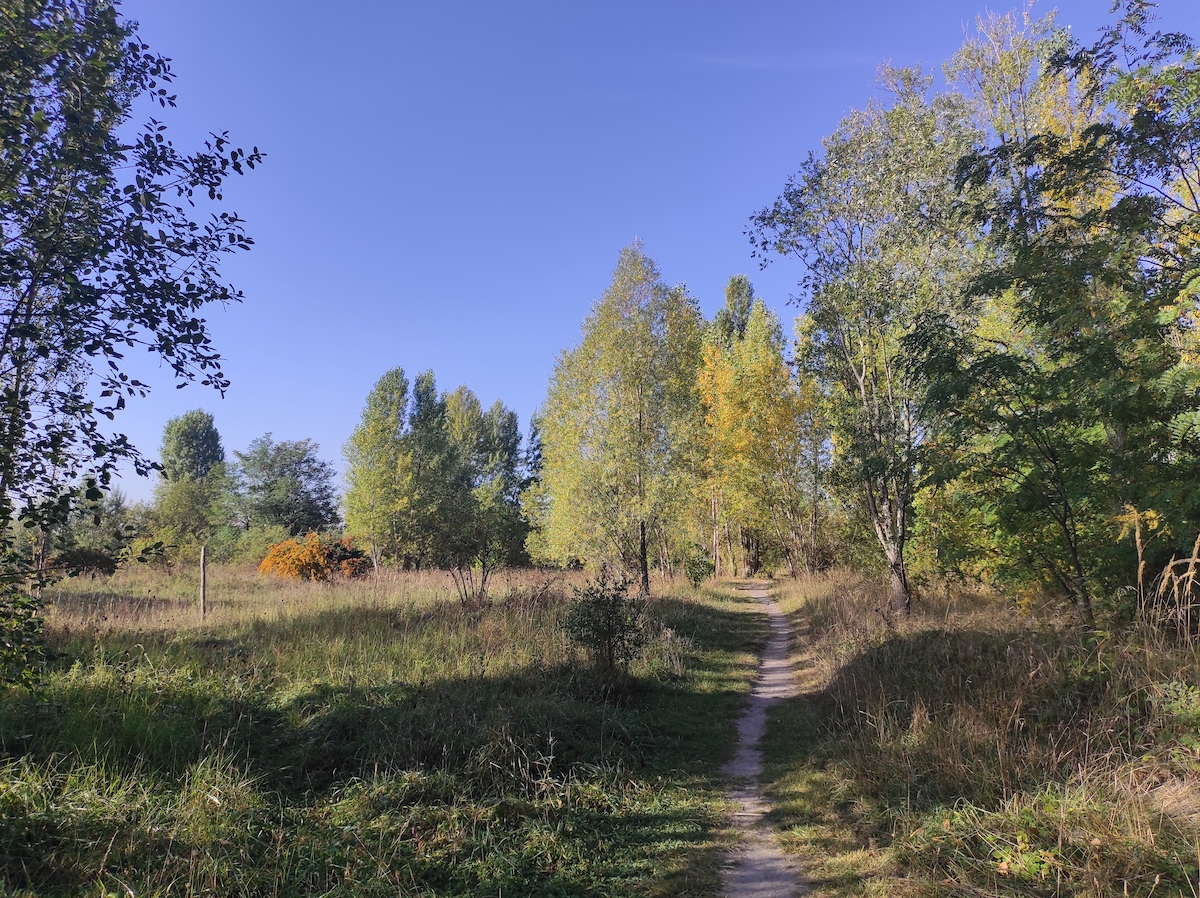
758	868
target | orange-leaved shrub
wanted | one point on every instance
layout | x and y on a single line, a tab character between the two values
315	558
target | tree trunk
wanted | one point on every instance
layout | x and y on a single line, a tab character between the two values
901	595
643	559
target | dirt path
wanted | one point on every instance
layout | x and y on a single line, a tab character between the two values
758	868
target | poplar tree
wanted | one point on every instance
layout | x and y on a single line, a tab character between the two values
616	417
377	472
766	443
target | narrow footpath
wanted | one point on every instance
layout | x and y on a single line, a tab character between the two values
757	868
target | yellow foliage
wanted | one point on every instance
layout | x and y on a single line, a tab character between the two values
314	559
757	418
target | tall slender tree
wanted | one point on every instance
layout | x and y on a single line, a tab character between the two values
764	435
614	419
377	473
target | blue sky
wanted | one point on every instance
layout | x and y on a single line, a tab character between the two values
448	184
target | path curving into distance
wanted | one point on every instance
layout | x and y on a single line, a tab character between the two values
757	868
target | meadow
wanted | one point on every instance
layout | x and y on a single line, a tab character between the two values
366	737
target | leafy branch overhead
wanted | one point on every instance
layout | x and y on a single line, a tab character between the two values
113	242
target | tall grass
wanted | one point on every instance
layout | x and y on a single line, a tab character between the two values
365	738
973	750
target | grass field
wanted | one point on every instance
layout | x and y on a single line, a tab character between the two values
370	738
974	751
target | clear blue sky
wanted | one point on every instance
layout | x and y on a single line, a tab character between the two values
448	184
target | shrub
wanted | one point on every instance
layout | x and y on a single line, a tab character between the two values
604	620
85	561
698	567
316	559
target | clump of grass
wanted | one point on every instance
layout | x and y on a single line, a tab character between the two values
365	738
971	750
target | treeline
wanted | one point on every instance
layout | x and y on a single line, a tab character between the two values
237	507
432	480
996	373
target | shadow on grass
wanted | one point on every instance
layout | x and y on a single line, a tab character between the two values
617	779
215	693
922	723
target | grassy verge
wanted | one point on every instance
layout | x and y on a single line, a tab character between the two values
366	739
974	752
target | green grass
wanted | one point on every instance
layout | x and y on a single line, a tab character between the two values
971	751
366	739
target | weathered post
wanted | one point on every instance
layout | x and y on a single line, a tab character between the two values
203	581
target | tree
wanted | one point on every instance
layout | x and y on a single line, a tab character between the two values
493	531
188	500
766	443
439	501
436	481
614	418
1082	408
732	318
191	446
378	476
285	484
189	511
876	222
104	251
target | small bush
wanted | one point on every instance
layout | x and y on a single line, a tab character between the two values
314	559
85	561
698	567
604	620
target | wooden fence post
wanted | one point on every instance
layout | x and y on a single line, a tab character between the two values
203	581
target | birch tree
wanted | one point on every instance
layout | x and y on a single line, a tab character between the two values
615	419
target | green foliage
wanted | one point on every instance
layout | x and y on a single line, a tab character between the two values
732	318
191	446
187	511
698	567
876	221
285	484
107	248
22	652
603	619
434	480
378	475
1060	393
619	424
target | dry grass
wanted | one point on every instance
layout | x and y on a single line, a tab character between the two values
972	750
149	598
